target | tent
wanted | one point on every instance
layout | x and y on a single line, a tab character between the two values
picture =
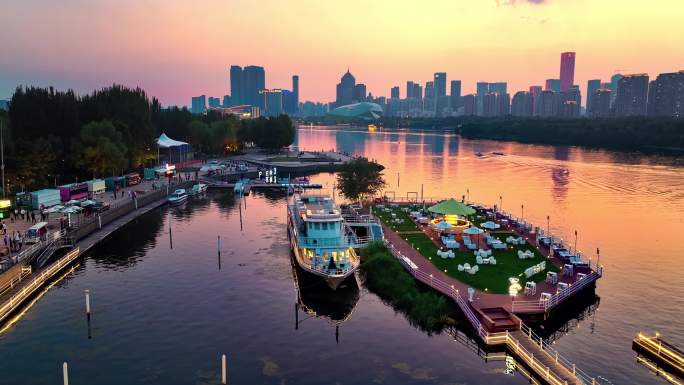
178	152
452	207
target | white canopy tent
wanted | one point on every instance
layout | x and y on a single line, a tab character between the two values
165	142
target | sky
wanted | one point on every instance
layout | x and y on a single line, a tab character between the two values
177	49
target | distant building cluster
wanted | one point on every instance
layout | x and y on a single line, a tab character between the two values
622	96
249	96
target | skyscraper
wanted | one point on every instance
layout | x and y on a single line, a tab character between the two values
440	80
552	85
360	92
254	80
410	89
345	89
199	104
567	71
226	101
295	91
666	95
592	86
455	94
236	85
503	104
394	92
631	96
547	105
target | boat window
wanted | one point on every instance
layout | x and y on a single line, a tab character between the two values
324	226
317	226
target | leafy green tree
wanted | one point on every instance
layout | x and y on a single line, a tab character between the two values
360	178
102	149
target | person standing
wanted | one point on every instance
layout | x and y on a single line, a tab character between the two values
33	217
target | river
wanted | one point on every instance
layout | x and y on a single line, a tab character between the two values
165	306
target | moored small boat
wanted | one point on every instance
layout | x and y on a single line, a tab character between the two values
177	197
199	188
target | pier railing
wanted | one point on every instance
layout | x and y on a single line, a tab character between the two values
536	363
35	282
558	297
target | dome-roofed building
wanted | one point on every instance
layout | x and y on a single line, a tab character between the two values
345	89
363	110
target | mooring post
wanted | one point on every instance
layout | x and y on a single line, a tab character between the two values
541	343
556	357
99	220
224	373
87	300
573	369
65	373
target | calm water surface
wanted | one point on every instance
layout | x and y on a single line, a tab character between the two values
164	310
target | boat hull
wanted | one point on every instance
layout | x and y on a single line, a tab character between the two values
177	201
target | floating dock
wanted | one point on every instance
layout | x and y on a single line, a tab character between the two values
660	356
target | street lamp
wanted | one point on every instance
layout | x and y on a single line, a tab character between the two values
522	212
500	203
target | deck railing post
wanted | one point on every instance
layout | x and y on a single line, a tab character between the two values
573	369
65	373
556	357
223	370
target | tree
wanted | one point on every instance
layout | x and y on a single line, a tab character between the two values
360	178
102	149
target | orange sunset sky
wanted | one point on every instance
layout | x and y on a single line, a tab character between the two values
177	49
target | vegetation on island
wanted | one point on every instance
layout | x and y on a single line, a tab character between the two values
360	178
55	137
385	276
630	134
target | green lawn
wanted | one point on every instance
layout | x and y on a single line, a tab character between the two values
386	218
492	278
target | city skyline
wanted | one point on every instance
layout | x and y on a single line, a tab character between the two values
174	58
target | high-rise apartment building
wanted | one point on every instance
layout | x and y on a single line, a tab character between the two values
469	105
631	96
600	103
440	81
567	71
614	80
535	93
394	92
214	102
498	87
503	105
522	104
272	102
592	86
199	104
548	105
481	90
236	86
666	95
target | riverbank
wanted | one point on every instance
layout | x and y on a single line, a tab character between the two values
81	238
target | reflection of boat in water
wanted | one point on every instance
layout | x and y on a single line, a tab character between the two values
320	239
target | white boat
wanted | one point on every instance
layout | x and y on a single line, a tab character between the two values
320	239
199	188
179	196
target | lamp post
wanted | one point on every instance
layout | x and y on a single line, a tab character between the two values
522	212
500	204
575	242
548	226
468	195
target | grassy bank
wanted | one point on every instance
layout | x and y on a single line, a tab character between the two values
386	277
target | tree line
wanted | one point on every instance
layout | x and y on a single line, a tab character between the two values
55	137
627	134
